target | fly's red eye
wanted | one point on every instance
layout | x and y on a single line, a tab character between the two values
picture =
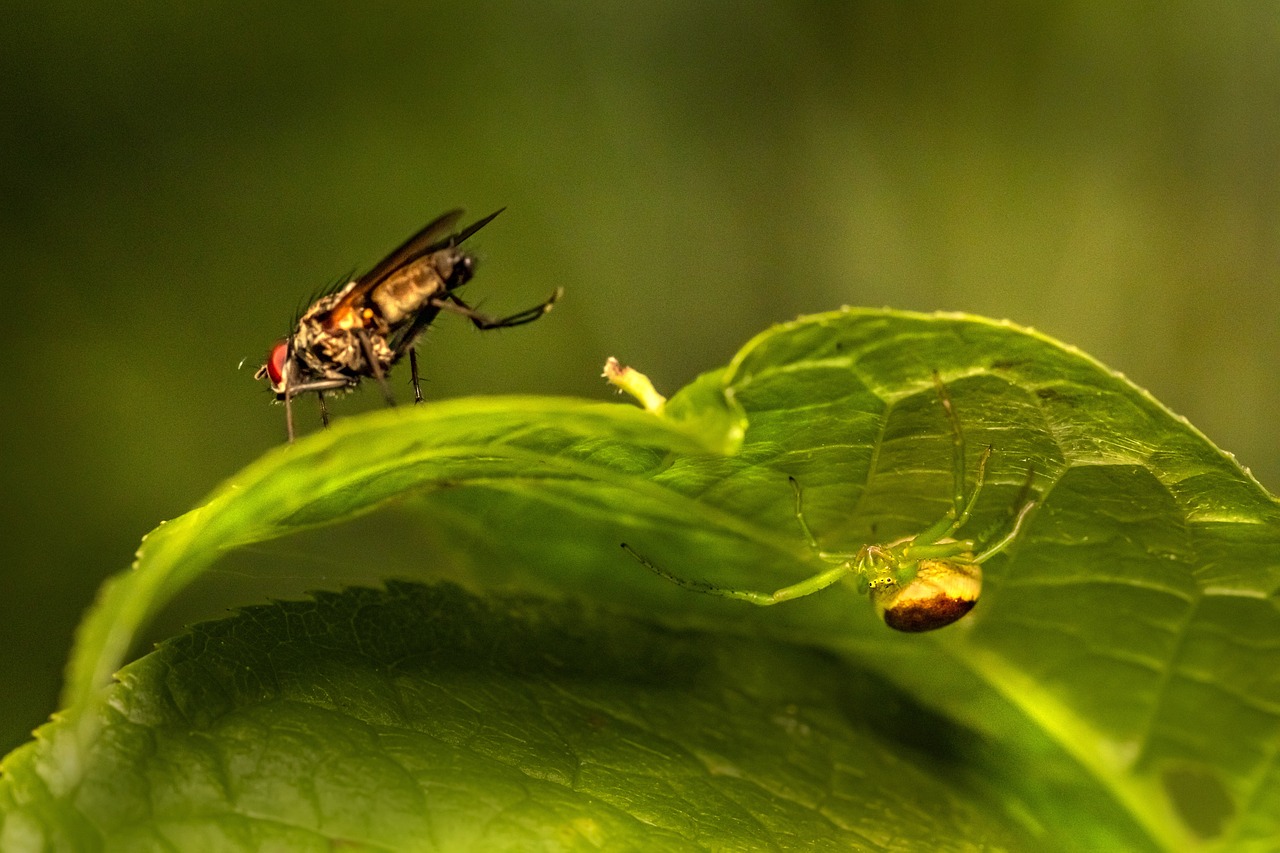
275	363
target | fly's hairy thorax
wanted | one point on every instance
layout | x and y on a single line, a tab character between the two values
327	343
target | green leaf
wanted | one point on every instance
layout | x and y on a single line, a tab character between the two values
361	464
1121	664
425	719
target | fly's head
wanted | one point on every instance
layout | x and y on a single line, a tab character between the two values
278	369
287	365
454	266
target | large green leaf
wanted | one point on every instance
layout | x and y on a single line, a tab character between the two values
359	465
1122	663
424	719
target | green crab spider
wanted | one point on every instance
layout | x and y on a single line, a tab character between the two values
916	583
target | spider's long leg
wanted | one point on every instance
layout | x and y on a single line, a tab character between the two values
324	410
978	479
808	586
804	525
961	504
957	453
1006	540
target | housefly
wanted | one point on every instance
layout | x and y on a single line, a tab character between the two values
362	328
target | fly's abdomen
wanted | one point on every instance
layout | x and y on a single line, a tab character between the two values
406	292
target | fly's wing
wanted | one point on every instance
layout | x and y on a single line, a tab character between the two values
468	231
420	244
404	340
427	241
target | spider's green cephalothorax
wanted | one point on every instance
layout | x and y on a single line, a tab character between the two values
917	583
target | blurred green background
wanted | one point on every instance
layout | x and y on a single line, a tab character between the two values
178	178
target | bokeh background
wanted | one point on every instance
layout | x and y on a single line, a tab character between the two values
178	178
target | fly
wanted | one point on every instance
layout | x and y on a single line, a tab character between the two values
364	327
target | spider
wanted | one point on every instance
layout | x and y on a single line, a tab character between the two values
916	583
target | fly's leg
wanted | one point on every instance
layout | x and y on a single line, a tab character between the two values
408	341
366	345
413	373
453	302
319	386
288	414
324	409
